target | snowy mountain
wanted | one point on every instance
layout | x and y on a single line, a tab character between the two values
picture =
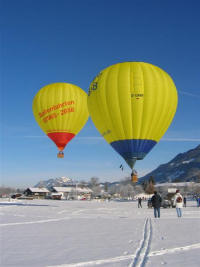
184	167
61	181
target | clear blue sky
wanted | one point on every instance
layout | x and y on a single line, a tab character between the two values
47	41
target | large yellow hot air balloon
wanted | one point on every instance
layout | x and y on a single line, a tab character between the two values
61	111
132	105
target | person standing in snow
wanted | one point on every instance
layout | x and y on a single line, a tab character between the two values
156	203
139	202
184	201
198	201
178	203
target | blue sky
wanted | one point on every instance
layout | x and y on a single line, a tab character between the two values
47	41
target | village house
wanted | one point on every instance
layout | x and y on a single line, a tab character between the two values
72	192
37	193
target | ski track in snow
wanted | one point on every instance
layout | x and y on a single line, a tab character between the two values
144	248
139	259
32	222
76	212
173	250
129	257
97	262
142	253
68	218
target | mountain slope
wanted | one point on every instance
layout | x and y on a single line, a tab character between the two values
62	181
184	167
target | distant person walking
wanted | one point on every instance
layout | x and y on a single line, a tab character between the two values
197	200
184	202
156	203
139	202
178	203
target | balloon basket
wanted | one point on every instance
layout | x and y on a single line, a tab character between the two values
134	177
60	155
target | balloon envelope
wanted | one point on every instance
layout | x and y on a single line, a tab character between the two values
61	111
132	105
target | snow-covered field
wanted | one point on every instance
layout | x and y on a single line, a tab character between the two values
90	233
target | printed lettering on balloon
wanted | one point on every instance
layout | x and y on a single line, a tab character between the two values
94	84
60	112
54	107
137	96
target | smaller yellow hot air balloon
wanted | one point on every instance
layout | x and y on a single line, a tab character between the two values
61	111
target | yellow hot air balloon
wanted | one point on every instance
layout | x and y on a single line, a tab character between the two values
61	111
132	105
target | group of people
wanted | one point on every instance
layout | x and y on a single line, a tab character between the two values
179	202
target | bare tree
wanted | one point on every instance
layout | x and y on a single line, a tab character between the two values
82	184
94	181
113	189
94	185
106	187
197	190
126	180
7	190
138	189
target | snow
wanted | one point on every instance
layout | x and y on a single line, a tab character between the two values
178	184
38	190
187	161
60	233
69	189
66	179
176	174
